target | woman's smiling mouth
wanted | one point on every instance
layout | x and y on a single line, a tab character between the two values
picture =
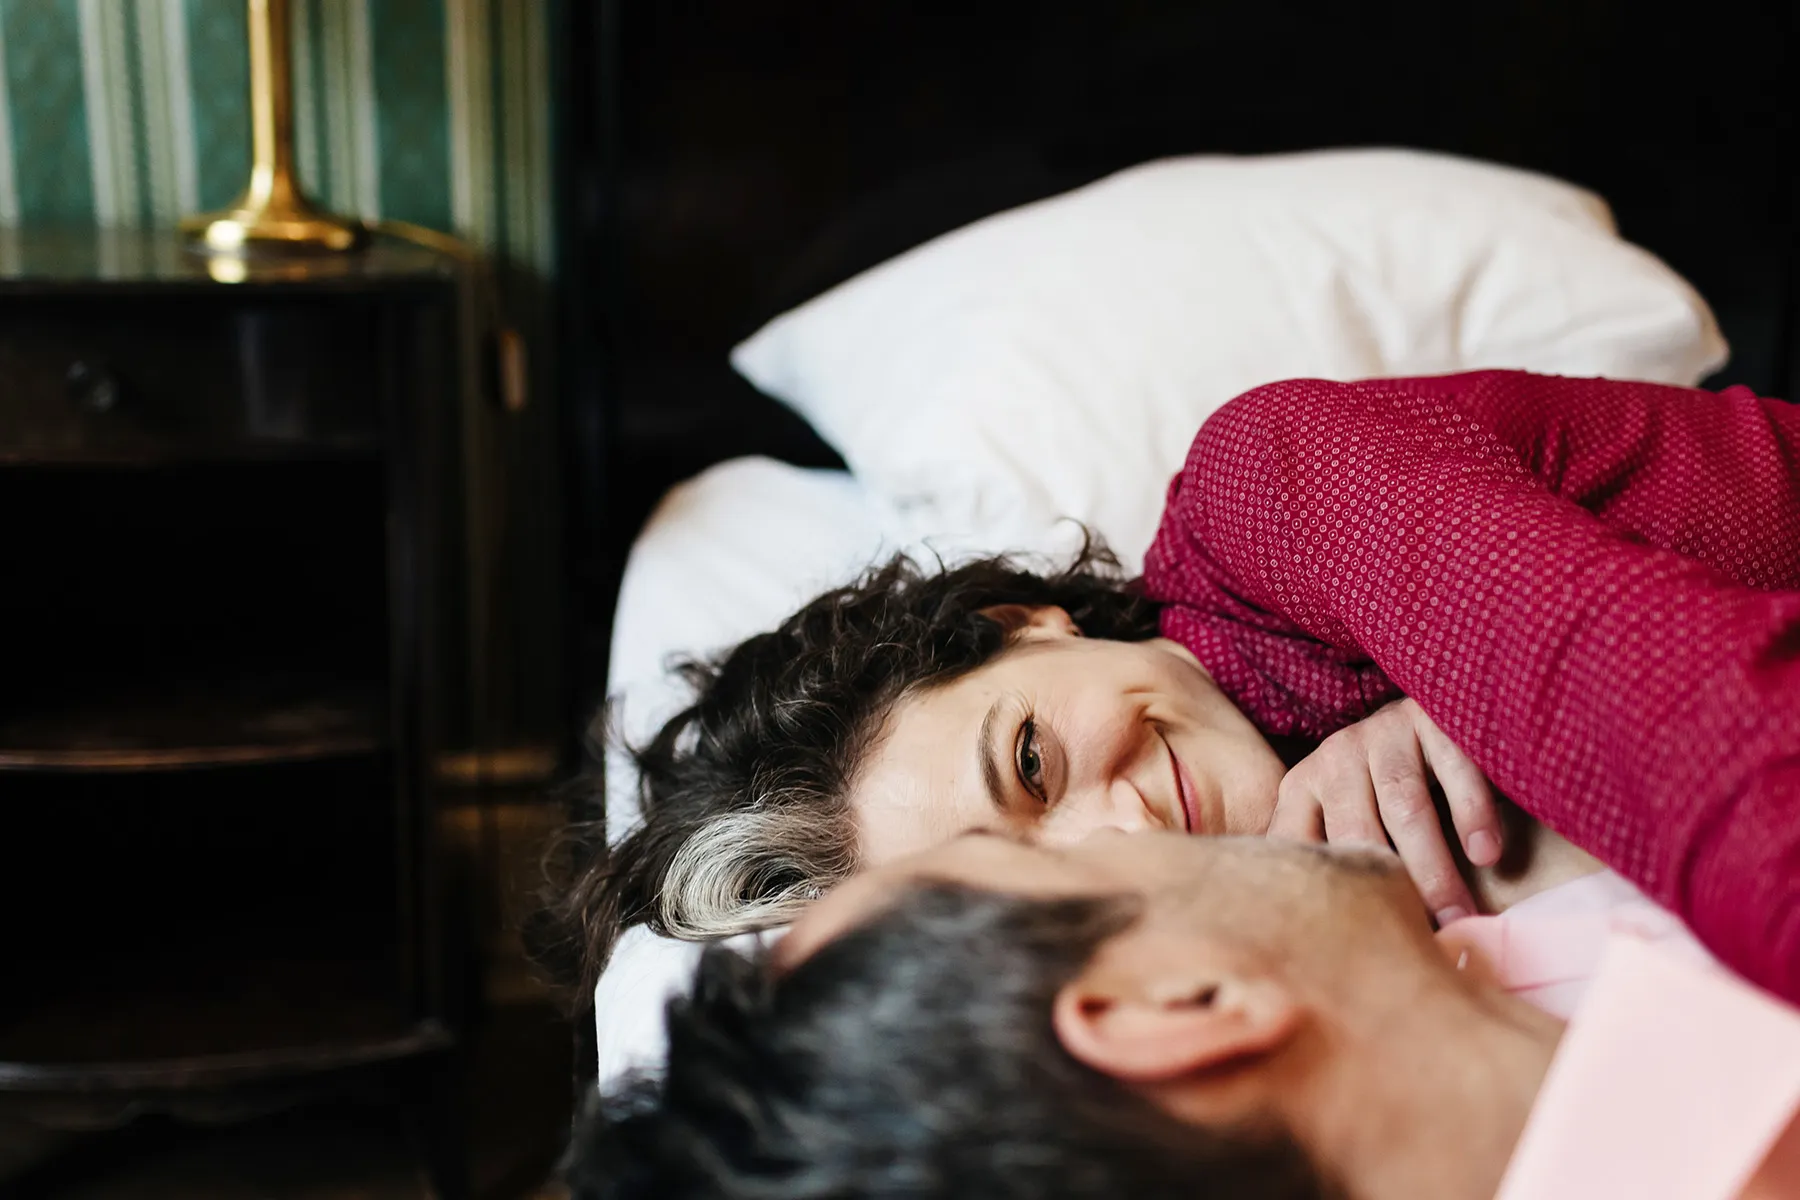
1184	791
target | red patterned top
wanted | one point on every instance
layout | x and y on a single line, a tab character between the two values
1592	587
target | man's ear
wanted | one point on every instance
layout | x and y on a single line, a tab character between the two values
1178	1023
1032	620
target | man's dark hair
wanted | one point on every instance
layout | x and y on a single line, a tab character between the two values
912	1057
744	791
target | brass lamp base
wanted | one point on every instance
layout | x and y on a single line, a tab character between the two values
272	216
275	229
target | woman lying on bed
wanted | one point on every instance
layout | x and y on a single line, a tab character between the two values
1593	588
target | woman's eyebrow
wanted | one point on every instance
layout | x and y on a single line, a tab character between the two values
990	758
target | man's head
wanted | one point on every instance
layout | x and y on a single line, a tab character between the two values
1137	1015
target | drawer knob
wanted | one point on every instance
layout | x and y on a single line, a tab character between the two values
92	386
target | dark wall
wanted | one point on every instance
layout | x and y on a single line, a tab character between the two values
730	159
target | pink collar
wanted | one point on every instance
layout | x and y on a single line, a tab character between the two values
1673	1082
1546	949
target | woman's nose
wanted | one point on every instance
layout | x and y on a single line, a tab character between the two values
1118	805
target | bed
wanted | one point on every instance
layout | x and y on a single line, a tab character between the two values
726	167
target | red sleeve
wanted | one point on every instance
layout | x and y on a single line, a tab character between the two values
1593	587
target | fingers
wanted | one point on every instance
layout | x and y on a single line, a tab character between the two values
1328	797
1298	816
1471	798
1403	795
1372	783
1352	815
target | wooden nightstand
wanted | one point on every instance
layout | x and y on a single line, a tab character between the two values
224	636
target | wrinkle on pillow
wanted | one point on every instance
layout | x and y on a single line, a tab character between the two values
1054	360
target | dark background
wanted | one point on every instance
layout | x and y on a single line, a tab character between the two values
723	161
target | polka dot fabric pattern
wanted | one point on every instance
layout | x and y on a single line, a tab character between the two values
1592	586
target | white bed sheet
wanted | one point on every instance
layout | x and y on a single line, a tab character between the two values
725	555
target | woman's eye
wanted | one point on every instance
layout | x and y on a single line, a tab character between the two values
1031	761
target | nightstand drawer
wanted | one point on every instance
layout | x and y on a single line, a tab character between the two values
158	376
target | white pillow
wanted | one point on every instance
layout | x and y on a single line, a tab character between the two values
731	553
727	554
1056	360
645	973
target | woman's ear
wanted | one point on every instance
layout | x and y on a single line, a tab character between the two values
1178	1025
1032	620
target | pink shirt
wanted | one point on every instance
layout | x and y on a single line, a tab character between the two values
1547	949
1674	1081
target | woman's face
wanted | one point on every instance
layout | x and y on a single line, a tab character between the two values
1060	735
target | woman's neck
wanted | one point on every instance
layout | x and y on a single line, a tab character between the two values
1536	859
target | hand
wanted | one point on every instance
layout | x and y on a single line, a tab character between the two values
1371	783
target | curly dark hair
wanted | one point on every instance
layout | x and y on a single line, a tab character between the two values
914	1056
744	791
